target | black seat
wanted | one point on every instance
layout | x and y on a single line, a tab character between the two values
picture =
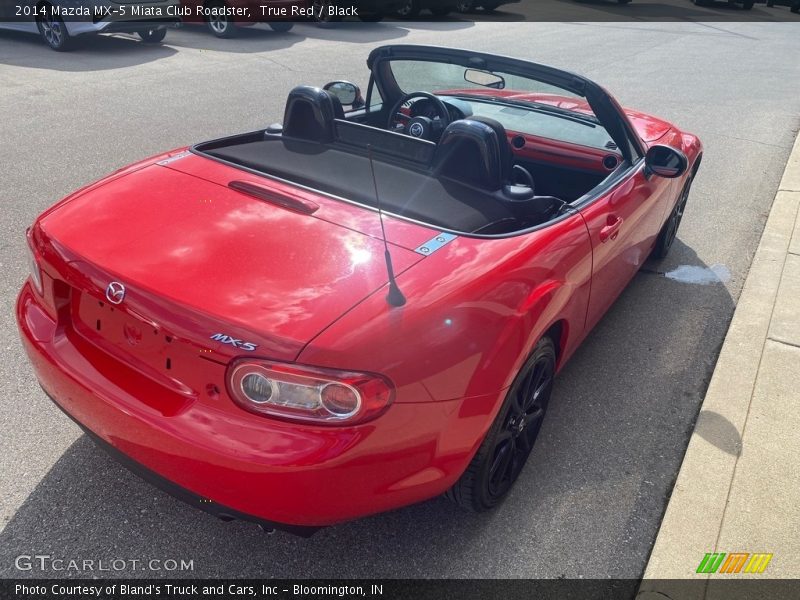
469	151
310	114
506	153
477	152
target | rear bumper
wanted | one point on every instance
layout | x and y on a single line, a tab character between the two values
222	512
234	464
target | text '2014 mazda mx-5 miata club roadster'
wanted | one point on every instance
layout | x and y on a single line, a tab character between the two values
356	309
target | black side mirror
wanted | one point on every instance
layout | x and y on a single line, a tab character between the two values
665	161
348	93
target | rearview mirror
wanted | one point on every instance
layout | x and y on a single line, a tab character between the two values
484	78
348	93
665	161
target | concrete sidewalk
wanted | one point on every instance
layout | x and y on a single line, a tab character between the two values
738	490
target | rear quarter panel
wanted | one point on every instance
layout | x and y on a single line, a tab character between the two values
474	310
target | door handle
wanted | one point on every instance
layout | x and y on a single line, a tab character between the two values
611	230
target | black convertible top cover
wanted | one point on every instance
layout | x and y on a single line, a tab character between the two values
406	191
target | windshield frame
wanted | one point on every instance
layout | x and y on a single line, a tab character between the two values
607	111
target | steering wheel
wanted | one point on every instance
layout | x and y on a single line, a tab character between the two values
419	127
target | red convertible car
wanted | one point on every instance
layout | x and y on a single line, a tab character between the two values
353	310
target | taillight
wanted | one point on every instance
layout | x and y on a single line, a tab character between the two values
33	267
308	393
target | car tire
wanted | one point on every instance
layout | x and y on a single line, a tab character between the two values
281	26
408	9
53	31
441	11
748	4
490	6
321	8
465	6
506	447
670	229
221	26
153	36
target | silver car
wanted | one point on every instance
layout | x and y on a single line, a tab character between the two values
59	22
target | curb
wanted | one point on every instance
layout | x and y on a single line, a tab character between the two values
696	512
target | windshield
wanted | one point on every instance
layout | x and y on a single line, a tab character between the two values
522	104
437	77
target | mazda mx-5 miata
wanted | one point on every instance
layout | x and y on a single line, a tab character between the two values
358	309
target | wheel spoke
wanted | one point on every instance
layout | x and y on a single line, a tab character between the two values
543	383
500	467
525	393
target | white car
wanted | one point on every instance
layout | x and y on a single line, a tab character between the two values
59	22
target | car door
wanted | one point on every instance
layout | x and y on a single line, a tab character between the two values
9	17
623	223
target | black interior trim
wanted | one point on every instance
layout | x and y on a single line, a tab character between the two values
404	189
564	212
389	143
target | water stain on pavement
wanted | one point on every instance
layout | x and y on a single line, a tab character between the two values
696	275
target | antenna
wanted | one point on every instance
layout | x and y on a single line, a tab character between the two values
395	297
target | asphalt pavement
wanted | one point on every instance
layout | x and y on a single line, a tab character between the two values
591	498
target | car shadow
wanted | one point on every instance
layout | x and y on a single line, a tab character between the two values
256	38
92	52
354	32
89	503
609	449
498	15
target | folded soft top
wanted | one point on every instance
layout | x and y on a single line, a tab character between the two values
405	191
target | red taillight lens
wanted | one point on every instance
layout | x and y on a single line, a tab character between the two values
308	393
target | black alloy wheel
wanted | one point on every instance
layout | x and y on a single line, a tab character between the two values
670	229
499	461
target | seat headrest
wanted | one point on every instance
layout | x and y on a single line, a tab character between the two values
475	151
310	114
506	153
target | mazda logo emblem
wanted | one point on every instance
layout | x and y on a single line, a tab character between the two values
416	129
115	292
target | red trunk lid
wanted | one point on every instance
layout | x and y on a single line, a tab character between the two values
198	259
